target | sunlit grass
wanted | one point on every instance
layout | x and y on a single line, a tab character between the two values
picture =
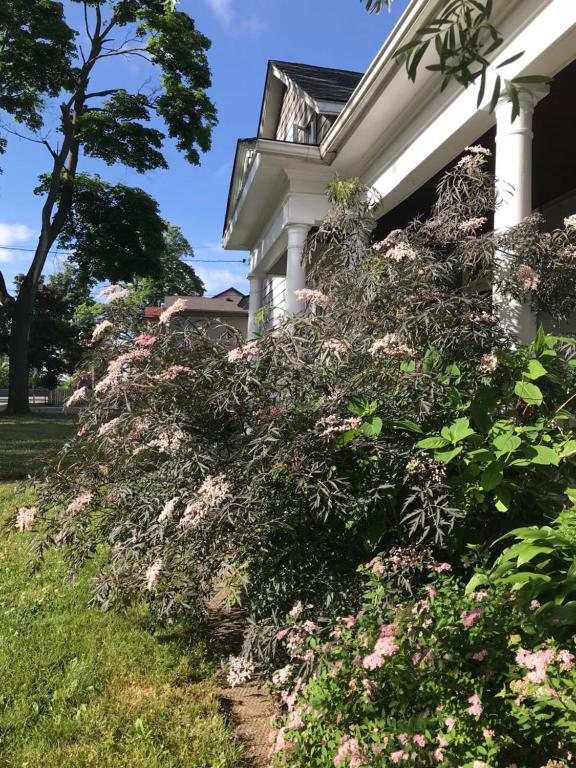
79	687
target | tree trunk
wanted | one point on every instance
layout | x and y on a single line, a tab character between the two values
23	312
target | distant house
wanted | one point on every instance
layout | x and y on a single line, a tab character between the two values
228	308
397	137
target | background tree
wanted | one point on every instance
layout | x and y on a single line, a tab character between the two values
44	57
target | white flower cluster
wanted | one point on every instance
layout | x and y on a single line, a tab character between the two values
109	426
570	221
78	504
316	298
168	510
213	491
240	671
174	309
25	518
391	345
247	352
101	329
153	573
78	396
168	442
335	345
336	425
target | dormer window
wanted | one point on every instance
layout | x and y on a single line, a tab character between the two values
305	134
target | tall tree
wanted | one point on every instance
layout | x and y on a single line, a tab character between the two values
43	57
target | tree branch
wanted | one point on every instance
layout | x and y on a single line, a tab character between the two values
126	51
5	298
30	138
96	94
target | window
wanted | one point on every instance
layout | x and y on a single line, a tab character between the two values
305	134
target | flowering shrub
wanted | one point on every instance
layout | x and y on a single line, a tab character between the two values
443	679
279	465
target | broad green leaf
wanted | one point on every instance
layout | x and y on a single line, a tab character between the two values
372	428
528	392
540	454
507	443
492	476
569	449
528	552
446	456
535	370
460	430
433	442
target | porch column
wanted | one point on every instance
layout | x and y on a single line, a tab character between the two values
514	192
295	271
254	304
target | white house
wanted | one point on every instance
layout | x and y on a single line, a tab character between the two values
397	136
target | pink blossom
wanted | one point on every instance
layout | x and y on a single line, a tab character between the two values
468	619
172	373
109	291
431	591
76	397
470	226
78	504
108	427
489	733
419	740
281	634
296	610
528	278
391	346
416	658
168	510
475	707
152	574
442	741
566	660
25	518
534	605
536	662
376	566
480	656
399	755
442	567
488	363
178	307
315	298
145	340
449	722
336	346
402	739
386	630
101	329
438	755
248	352
373	661
335	425
123	293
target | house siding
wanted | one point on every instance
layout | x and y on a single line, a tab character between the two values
295	111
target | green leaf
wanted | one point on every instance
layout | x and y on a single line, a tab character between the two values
530	393
503	498
492	476
541	454
568	449
507	443
535	370
433	442
372	428
460	430
446	456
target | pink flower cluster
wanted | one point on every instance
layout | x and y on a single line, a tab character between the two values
528	278
109	426
78	504
116	367
537	662
177	308
336	346
248	352
269	413
470	226
153	574
174	372
25	518
315	298
385	646
475	709
349	750
401	252
391	345
211	493
78	396
145	340
168	510
101	329
113	293
168	442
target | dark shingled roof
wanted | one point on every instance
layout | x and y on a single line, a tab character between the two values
321	83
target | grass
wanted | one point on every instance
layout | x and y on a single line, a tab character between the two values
85	689
23	441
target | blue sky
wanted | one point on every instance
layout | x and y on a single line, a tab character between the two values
244	34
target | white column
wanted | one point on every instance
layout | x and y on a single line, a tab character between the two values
295	270
254	304
514	191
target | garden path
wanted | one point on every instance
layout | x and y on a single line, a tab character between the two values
249	705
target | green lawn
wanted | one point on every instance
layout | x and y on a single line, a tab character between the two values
23	441
81	688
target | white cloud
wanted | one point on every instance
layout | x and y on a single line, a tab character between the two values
217	280
225	12
12	234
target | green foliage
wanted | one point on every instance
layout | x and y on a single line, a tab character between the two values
541	566
115	231
445	678
286	462
84	688
36	57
